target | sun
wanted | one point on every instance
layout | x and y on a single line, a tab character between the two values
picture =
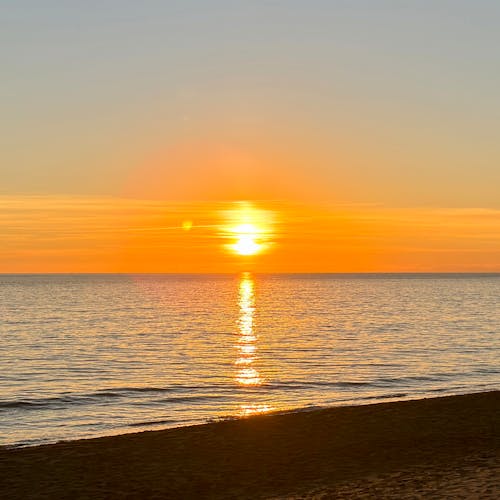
247	230
246	244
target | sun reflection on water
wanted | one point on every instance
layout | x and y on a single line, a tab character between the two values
247	410
247	375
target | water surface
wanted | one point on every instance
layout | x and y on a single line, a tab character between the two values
91	355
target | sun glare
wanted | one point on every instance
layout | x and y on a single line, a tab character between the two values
248	228
246	245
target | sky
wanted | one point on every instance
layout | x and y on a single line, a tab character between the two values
367	130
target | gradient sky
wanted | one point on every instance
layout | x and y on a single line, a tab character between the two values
388	108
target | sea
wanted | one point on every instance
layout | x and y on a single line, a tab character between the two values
87	355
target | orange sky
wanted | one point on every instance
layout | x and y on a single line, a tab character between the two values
366	131
92	234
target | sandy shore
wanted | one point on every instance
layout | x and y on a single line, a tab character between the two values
435	448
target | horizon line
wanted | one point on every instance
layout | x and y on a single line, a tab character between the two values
228	273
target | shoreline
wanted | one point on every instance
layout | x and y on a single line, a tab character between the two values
229	418
332	451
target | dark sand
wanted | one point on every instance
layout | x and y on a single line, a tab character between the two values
434	448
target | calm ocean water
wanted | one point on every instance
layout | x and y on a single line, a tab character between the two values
92	355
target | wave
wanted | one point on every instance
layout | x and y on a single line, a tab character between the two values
152	422
487	371
121	391
100	397
435	377
299	384
377	382
387	396
176	394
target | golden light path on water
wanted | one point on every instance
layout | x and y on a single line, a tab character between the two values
247	374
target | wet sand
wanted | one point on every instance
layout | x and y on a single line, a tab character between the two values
433	448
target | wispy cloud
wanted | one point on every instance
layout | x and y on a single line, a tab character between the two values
86	234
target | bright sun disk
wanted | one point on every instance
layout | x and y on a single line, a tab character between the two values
246	245
248	229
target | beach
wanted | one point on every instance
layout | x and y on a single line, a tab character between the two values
445	447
